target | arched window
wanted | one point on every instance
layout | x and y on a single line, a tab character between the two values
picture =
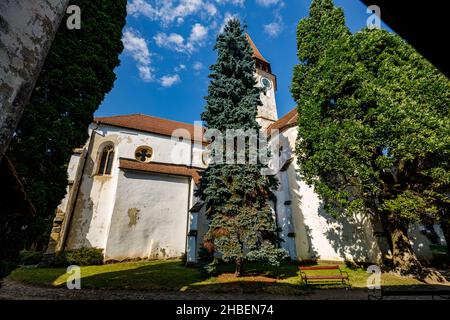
106	160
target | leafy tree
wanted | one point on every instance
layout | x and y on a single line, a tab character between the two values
236	195
373	128
77	74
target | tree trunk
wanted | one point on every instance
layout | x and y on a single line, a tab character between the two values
445	226
27	31
404	259
239	267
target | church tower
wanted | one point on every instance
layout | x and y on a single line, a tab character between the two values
267	113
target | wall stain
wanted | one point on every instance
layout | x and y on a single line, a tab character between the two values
133	216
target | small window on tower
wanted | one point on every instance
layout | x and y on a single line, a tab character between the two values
106	160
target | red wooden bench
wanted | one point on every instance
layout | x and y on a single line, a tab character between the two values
343	275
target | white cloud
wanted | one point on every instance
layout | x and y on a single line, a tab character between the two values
177	42
210	9
198	33
140	7
179	68
273	29
146	73
235	2
197	66
267	3
171	41
170	80
136	46
168	11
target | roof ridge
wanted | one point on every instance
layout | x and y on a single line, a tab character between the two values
256	53
153	124
146	115
286	120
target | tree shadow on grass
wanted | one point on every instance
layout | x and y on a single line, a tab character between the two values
174	277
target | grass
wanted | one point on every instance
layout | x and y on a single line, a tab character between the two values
171	275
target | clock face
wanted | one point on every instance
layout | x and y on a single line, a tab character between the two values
266	83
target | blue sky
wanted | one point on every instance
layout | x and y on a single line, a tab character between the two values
169	47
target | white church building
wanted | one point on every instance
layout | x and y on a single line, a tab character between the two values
131	193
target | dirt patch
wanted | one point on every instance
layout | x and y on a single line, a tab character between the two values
230	277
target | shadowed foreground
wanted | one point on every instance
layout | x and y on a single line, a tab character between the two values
171	280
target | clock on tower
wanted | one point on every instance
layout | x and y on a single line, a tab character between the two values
267	113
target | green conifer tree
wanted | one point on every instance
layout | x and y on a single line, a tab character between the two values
236	196
373	128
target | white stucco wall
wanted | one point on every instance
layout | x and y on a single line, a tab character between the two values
421	243
95	200
283	209
320	236
99	195
149	218
71	172
317	234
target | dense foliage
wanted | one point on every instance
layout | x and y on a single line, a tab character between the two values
30	257
374	130
236	196
84	257
77	74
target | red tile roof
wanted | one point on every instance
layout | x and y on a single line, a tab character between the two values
145	123
164	168
256	53
289	120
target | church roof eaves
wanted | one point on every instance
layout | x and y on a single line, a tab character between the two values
162	168
141	122
287	121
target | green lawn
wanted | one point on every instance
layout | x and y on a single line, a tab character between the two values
171	275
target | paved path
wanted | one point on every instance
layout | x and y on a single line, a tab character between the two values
12	290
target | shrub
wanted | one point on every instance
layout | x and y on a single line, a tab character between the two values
6	267
184	258
59	261
29	257
85	256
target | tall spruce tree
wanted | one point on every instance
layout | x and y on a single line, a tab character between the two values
373	128
236	196
77	74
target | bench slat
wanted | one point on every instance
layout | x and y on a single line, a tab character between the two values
325	277
331	267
